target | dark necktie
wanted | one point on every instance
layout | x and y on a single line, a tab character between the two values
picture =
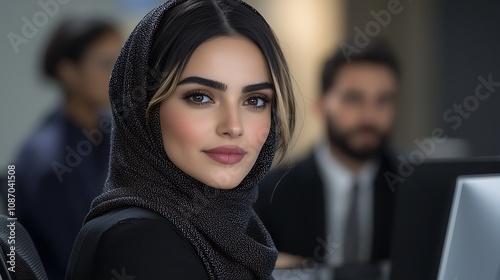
351	238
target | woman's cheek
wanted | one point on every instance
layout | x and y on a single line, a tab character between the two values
258	130
188	129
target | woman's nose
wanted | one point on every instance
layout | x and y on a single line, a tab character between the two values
230	123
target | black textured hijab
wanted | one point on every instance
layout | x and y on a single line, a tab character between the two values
220	224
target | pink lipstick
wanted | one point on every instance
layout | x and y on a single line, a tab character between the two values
226	154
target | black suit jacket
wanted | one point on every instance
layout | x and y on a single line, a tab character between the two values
133	243
291	205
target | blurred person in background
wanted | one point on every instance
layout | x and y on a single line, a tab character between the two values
63	163
336	205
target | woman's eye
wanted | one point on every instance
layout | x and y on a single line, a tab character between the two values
199	98
255	102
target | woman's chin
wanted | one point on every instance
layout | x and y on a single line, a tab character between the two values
224	185
222	178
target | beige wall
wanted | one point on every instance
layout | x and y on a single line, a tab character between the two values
308	31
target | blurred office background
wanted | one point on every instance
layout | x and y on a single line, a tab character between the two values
443	47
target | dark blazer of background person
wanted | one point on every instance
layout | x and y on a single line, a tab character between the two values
303	207
52	210
291	205
62	165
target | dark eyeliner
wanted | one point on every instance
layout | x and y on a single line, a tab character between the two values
264	97
187	97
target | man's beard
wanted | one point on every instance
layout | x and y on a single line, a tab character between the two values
342	141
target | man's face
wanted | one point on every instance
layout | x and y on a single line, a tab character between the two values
360	107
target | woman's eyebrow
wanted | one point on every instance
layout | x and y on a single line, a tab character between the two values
222	87
257	87
205	82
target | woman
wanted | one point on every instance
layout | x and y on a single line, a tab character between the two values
201	99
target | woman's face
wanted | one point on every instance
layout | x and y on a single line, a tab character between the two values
218	118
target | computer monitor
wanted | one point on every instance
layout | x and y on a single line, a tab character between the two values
423	203
472	245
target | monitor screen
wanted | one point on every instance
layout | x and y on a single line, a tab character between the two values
423	204
472	245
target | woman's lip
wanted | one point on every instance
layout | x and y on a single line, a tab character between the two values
226	154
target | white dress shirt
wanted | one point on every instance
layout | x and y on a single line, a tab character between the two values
339	182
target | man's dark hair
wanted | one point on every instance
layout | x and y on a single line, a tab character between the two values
377	52
71	40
